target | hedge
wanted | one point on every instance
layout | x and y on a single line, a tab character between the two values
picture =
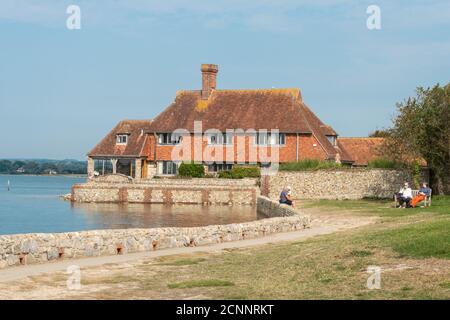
240	172
192	170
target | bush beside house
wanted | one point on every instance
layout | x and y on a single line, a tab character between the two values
191	170
240	172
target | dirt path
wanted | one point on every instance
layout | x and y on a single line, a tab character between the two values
323	222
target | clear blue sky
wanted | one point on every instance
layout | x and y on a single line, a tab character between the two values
62	90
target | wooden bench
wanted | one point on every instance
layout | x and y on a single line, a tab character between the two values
425	203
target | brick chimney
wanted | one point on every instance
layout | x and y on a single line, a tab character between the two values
209	75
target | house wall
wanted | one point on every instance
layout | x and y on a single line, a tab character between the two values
241	151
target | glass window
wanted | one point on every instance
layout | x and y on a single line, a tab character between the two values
169	167
122	139
169	138
217	167
332	140
264	139
220	138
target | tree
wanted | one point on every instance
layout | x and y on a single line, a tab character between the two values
380	134
421	130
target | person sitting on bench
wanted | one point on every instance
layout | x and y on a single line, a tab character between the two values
424	192
405	196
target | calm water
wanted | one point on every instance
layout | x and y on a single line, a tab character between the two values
33	205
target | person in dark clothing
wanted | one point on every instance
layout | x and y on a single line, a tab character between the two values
285	197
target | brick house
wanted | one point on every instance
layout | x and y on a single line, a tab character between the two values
219	128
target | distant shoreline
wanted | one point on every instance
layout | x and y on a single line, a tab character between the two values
75	175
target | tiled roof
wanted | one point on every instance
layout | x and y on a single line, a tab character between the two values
361	150
281	109
137	138
235	109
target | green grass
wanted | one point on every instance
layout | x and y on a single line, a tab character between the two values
309	164
183	262
200	284
381	163
420	240
382	208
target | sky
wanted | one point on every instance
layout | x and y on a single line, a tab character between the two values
62	90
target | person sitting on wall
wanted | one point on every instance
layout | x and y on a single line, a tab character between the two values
424	192
286	197
404	196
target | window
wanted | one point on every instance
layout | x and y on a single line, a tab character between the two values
217	167
220	138
168	167
122	139
264	139
332	140
169	138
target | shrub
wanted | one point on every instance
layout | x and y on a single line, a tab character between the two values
309	164
192	170
240	172
382	163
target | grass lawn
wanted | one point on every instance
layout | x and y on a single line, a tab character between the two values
411	246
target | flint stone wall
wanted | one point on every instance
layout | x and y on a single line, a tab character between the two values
356	183
42	247
271	208
168	191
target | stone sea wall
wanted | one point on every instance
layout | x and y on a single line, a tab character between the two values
338	184
272	208
168	191
33	248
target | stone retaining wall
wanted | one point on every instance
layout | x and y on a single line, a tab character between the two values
40	247
338	183
168	191
272	208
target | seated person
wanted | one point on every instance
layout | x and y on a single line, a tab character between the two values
405	196
424	192
286	197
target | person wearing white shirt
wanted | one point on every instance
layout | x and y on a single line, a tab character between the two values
405	194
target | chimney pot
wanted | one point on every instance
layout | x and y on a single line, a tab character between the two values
209	76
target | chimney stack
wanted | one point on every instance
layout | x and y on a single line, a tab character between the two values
209	75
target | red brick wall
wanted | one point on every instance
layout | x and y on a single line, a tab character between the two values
309	148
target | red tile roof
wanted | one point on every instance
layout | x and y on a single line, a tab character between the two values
361	150
281	109
235	109
137	138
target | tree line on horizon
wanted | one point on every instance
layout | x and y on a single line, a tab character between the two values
43	167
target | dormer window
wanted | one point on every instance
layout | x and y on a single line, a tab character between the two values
122	139
332	139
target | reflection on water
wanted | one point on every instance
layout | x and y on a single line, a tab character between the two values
109	215
33	205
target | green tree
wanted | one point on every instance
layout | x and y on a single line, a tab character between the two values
421	129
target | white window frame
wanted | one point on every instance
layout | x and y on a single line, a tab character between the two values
332	140
120	138
220	139
166	139
165	165
269	139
